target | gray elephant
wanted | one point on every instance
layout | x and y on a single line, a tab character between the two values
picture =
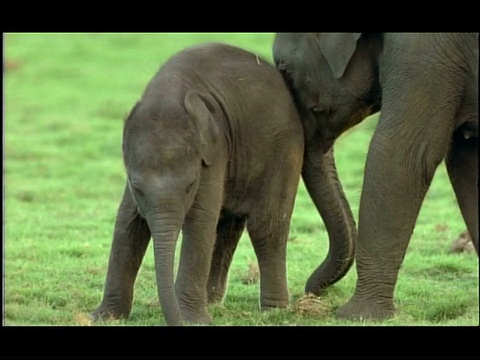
214	146
426	86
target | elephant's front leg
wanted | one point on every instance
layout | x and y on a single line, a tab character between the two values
196	254
229	231
130	241
401	162
462	166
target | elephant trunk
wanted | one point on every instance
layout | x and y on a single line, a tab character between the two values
321	180
165	234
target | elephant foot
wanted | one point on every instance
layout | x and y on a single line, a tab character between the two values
196	318
267	304
109	312
356	309
192	310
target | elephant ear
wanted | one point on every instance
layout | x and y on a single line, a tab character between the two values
338	49
200	107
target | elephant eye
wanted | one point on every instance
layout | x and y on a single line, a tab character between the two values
317	110
139	212
139	192
134	187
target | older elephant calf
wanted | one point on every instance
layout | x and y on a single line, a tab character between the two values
213	146
426	85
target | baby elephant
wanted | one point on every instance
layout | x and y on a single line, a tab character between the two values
213	146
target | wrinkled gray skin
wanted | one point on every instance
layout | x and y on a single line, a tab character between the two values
214	146
426	86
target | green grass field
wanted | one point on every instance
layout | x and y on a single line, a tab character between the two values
66	96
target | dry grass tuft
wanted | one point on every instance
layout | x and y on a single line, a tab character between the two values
82	319
312	305
462	244
253	274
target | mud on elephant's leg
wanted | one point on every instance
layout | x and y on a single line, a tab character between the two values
130	240
229	231
462	167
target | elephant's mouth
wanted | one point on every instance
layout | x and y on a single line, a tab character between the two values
358	116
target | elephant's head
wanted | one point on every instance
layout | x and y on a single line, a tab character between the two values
333	77
165	146
335	83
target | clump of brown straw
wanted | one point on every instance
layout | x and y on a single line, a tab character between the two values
312	305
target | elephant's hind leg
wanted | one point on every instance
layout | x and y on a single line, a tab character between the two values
130	241
269	238
462	167
229	230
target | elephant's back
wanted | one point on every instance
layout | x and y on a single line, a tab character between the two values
228	69
245	84
247	88
214	58
243	77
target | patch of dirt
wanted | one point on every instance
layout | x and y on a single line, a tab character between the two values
462	244
293	239
25	196
10	65
441	227
446	270
95	270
